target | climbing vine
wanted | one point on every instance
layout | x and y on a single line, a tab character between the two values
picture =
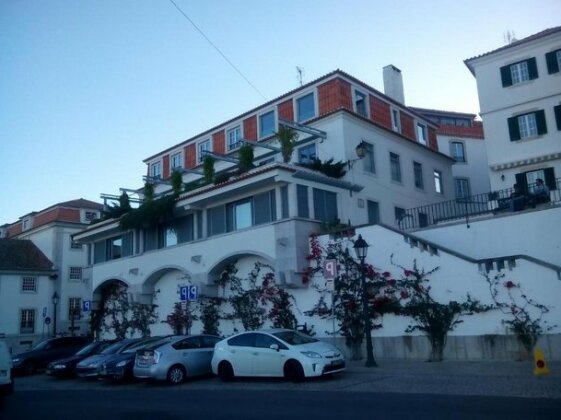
525	315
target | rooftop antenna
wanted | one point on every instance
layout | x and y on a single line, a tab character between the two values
509	37
300	75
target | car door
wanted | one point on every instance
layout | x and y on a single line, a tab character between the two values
241	351
191	355
207	349
268	361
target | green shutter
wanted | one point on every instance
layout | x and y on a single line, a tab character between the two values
506	77
557	111
532	68
552	64
540	122
549	179
513	129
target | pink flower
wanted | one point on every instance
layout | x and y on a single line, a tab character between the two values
404	294
386	274
407	273
391	282
509	284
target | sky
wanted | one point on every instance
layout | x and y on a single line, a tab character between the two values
91	88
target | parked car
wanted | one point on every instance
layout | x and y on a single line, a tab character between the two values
66	367
6	378
176	358
119	366
275	352
45	352
88	368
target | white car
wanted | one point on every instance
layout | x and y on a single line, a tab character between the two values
6	378
275	352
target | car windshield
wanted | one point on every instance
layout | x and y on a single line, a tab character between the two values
87	350
41	345
114	348
141	344
294	338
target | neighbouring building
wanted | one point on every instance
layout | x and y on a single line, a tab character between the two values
460	136
519	88
51	230
27	280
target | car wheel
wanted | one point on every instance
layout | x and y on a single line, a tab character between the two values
29	367
176	375
225	372
293	371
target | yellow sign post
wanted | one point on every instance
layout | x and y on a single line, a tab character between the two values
540	367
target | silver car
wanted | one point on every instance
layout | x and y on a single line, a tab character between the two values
176	358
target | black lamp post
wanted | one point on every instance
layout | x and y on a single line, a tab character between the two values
55	303
361	249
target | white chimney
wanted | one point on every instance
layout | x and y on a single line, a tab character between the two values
393	83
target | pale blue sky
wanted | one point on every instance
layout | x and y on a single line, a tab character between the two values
88	89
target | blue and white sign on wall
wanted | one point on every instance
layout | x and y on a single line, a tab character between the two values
87	305
188	292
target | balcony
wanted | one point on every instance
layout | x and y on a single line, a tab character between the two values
489	204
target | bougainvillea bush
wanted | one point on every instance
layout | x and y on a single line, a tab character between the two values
524	315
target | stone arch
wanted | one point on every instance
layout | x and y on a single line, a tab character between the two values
215	271
153	278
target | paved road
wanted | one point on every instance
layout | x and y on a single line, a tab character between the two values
395	389
501	379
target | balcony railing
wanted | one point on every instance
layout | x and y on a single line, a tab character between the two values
475	205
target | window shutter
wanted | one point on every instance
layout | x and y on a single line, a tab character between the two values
522	183
513	129
532	68
552	64
540	122
557	111
506	77
549	178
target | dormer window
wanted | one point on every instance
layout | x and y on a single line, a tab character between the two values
26	224
267	124
396	125
422	134
306	107
234	136
203	148
361	107
156	170
176	160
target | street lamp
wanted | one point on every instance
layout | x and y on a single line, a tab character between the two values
55	303
361	249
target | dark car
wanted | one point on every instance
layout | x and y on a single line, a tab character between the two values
119	367
45	352
66	367
88	367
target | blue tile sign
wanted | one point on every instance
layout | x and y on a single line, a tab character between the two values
188	292
87	305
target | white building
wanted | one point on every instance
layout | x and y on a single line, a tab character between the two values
50	230
519	88
26	286
268	213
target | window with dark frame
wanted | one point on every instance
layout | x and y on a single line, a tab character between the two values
395	167
361	104
74	308
27	321
519	72
457	151
418	175
527	125
29	284
75	273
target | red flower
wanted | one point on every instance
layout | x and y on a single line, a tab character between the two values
391	282
404	294
509	284
386	274
407	273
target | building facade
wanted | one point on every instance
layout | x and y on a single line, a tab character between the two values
460	136
519	88
50	230
27	281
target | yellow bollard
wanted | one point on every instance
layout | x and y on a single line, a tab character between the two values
539	363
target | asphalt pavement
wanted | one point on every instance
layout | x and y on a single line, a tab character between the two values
489	378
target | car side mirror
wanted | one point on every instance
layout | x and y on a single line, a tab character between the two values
274	347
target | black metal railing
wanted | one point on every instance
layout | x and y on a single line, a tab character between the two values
475	205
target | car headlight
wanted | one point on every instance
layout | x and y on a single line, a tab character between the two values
311	354
16	360
122	363
59	366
